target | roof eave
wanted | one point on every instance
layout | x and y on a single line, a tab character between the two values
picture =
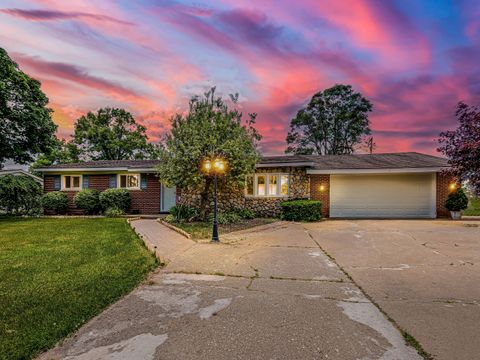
377	171
98	169
285	164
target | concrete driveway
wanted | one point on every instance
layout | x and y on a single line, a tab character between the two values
423	274
269	293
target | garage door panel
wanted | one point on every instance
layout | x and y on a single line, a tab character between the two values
399	195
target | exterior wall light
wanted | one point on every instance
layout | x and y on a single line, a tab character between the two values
452	186
322	187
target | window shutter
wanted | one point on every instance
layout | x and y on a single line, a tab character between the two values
56	182
86	182
143	181
112	182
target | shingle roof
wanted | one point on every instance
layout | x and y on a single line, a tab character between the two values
107	164
359	161
323	162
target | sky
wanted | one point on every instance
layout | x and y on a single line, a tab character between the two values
413	59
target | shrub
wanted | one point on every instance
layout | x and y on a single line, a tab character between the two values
457	200
20	195
301	210
183	213
116	198
56	201
224	218
114	212
245	213
88	200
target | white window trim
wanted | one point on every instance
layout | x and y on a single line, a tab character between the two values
129	187
63	180
267	183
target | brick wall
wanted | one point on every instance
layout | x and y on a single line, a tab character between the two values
316	193
443	189
143	201
147	201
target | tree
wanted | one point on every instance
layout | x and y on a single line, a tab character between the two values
110	134
26	126
462	146
209	129
61	152
333	122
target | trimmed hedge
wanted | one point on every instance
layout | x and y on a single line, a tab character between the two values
55	201
301	210
457	200
88	200
116	198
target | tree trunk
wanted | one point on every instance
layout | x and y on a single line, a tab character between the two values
204	198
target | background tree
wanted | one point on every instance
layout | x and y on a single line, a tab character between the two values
333	122
26	126
209	129
110	134
61	152
462	146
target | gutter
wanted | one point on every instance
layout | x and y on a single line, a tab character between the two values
376	171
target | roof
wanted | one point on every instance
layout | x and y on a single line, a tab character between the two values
100	165
21	172
324	163
359	161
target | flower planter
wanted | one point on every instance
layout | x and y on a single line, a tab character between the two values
456	215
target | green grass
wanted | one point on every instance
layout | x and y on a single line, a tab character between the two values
55	274
473	207
203	230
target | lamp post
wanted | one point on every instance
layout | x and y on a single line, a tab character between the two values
217	166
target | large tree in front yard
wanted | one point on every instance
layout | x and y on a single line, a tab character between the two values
209	129
334	122
26	126
462	146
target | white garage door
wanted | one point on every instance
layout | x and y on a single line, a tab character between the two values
383	196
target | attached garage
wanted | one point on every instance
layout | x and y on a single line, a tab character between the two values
409	195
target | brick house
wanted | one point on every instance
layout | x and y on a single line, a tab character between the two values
395	185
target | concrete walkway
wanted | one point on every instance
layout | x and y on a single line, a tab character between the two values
267	293
166	243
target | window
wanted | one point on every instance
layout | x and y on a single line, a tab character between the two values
261	185
72	182
274	185
129	181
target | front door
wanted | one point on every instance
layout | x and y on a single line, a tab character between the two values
168	198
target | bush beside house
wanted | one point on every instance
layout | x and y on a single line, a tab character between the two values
115	199
301	210
88	200
456	202
20	195
55	201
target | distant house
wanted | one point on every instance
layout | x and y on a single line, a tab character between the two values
395	185
13	171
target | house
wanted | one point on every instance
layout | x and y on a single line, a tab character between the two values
20	172
395	185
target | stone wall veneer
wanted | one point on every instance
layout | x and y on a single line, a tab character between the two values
233	197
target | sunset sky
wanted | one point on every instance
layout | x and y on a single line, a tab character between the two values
413	59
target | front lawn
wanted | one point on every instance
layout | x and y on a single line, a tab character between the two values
55	274
473	207
203	230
